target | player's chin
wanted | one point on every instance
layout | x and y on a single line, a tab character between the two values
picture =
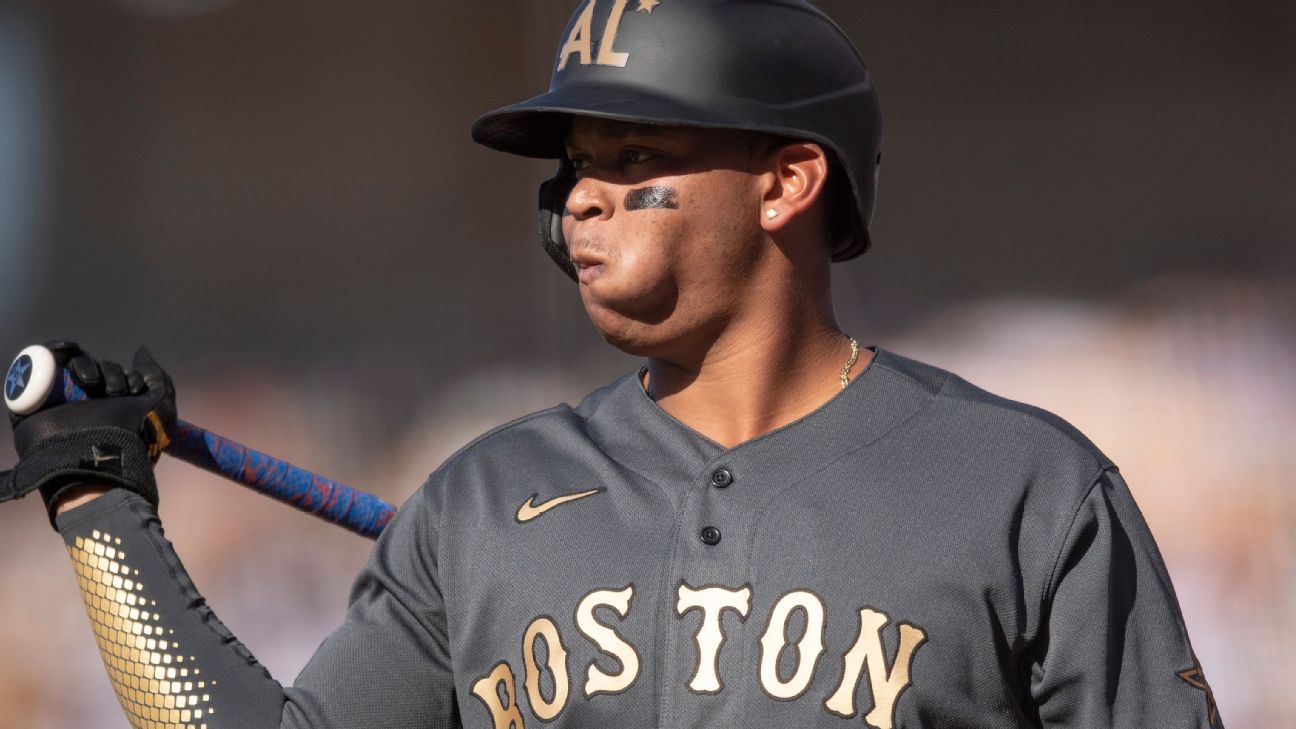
629	323
632	297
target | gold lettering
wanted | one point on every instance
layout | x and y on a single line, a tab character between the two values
712	601
579	40
608	641
607	54
487	689
809	648
886	685
545	628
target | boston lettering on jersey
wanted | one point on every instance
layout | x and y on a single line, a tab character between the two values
497	690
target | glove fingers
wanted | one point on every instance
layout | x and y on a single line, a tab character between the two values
136	382
85	370
155	378
114	378
63	350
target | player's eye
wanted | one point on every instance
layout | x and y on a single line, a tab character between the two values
635	156
578	164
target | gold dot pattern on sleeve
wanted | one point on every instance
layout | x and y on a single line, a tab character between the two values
158	686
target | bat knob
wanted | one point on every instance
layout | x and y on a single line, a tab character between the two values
30	380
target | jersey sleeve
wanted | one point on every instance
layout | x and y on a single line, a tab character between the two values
172	663
1114	651
388	665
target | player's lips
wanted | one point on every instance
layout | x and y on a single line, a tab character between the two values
588	274
588	266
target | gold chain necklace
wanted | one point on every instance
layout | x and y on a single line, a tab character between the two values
854	357
844	374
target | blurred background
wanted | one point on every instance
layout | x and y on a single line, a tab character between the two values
1088	206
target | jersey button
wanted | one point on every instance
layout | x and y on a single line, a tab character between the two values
710	536
721	478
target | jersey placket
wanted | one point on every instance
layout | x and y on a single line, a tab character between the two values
710	597
720	593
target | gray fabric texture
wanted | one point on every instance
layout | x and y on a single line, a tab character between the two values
915	553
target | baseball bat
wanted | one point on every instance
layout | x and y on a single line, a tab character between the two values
35	380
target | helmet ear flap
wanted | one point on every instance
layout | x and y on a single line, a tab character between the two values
553	201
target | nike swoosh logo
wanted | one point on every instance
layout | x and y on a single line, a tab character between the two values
100	457
530	509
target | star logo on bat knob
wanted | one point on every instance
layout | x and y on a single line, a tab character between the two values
18	377
647	6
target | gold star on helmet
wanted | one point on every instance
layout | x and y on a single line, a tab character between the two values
647	6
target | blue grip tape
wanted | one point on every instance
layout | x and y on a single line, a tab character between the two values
361	512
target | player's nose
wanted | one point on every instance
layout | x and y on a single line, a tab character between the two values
591	199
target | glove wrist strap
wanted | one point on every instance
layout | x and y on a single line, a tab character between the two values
110	456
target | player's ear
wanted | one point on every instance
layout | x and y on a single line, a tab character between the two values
798	175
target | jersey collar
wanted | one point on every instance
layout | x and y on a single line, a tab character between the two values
637	432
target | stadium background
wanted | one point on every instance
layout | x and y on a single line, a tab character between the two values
1088	206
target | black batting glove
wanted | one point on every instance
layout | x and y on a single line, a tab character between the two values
112	438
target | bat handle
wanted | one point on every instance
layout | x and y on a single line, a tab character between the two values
360	512
35	381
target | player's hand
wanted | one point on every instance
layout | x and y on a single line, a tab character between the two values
112	438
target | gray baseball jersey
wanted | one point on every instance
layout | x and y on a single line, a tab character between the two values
915	553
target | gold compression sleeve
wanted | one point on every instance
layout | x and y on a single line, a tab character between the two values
157	684
171	662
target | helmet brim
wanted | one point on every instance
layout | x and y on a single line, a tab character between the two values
538	127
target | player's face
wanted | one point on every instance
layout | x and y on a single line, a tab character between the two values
664	228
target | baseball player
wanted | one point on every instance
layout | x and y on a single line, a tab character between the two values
764	526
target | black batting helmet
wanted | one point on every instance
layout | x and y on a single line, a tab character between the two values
775	66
